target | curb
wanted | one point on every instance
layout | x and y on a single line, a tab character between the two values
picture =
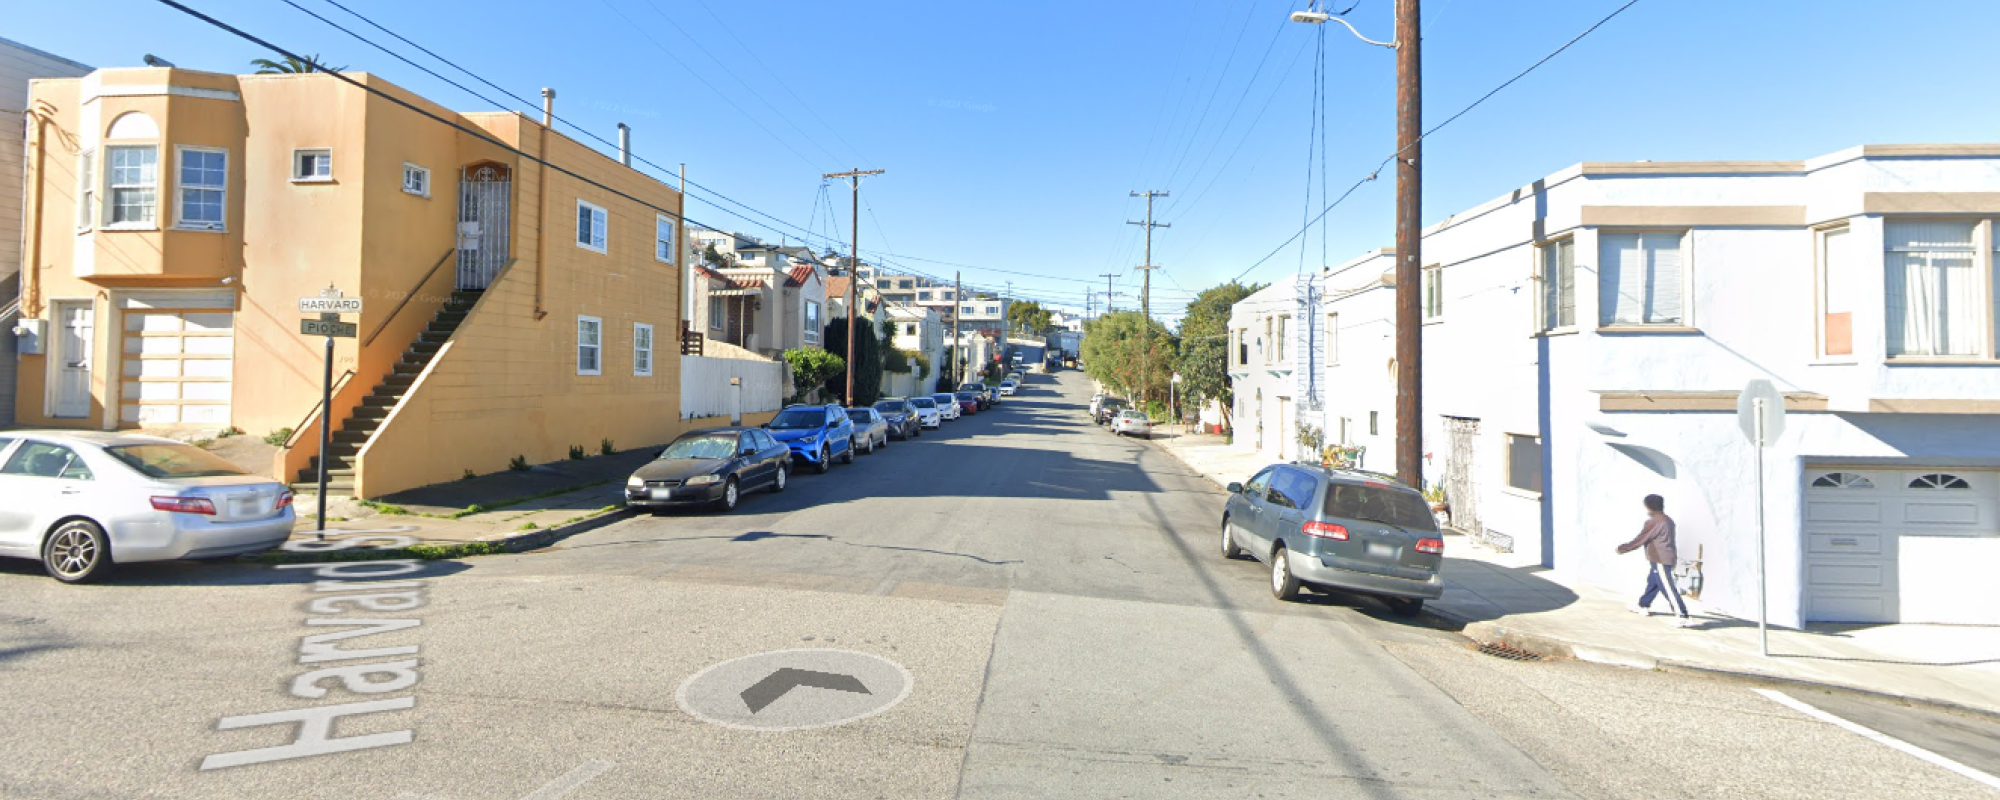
537	539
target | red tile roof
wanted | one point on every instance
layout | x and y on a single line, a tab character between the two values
708	273
744	283
799	275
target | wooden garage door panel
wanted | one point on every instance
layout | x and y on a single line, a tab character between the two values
1857	574
177	367
1837	543
1937	512
1831	607
1845	511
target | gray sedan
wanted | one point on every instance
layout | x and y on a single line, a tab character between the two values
871	429
1339	529
81	501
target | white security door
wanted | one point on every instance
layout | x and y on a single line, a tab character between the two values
1896	545
70	393
177	367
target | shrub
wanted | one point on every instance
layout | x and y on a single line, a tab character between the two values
277	438
469	475
518	463
607	447
576	452
229	431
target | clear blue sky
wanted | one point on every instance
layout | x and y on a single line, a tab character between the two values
1012	132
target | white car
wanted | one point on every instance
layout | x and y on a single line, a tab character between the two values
1014	376
81	501
1130	422
928	413
947	404
1095	400
1008	387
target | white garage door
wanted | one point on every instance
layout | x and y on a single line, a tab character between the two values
177	367
1887	545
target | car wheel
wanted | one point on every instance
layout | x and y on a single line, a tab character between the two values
848	457
825	461
1229	548
1284	585
731	494
778	480
871	445
1405	606
77	552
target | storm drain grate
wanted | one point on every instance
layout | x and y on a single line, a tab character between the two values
1497	650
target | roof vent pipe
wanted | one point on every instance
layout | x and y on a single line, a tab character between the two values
548	108
624	144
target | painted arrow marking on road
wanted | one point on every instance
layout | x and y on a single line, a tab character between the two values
782	682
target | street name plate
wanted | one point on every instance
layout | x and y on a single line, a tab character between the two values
329	305
315	327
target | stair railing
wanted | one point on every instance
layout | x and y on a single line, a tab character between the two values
414	291
305	425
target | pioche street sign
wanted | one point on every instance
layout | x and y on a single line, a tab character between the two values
320	327
329	305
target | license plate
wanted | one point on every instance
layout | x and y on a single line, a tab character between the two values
1377	550
663	494
243	506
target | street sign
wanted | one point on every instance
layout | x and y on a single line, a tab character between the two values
329	305
1771	411
320	327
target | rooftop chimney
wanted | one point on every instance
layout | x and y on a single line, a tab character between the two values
624	144
548	108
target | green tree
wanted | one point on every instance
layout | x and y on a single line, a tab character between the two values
713	258
1028	316
292	66
1129	353
812	367
1203	359
867	367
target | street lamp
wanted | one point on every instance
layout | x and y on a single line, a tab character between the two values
1409	229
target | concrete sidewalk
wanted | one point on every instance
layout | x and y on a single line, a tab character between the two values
1500	599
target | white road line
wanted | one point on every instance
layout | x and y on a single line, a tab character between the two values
568	782
1881	738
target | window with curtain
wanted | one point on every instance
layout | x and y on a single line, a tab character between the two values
1557	273
1433	286
1639	278
1932	290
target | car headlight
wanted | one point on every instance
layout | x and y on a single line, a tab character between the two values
703	480
635	482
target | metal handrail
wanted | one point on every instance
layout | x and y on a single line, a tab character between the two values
293	440
406	298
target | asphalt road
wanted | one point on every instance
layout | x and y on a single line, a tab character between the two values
1051	593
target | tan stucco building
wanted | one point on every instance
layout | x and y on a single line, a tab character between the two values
511	309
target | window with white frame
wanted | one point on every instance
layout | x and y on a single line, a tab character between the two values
592	226
812	322
1433	287
203	188
1936	301
589	346
1279	342
1242	347
1556	273
716	312
1639	278
663	238
133	178
1840	283
86	190
1524	462
416	180
642	349
312	164
909	329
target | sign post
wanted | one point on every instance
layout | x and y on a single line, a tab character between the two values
1760	412
329	305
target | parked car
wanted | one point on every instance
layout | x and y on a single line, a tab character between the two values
1108	408
969	401
1094	400
870	429
992	393
1322	527
83	502
1014	376
979	389
903	420
1132	421
712	466
947	404
1007	387
817	434
929	415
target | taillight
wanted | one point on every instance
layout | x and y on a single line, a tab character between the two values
185	505
1432	546
1325	530
284	500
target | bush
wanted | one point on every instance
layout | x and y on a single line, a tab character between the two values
1157	411
229	431
277	438
812	367
576	452
606	447
518	463
469	475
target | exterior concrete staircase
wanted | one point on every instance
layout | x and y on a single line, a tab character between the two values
355	431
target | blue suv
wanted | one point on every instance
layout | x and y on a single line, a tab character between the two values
817	434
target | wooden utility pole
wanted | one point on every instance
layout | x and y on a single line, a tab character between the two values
1409	246
957	345
1146	295
853	177
1108	278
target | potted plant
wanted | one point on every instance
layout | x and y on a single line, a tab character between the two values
1439	508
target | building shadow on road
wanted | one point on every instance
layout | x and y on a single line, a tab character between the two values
196	573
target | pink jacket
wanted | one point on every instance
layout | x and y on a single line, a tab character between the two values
1657	536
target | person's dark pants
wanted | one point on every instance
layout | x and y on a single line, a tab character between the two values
1661	580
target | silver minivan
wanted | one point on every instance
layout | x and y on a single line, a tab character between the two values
1340	529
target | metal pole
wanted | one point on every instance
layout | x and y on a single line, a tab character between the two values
853	265
325	433
957	344
1409	245
1763	633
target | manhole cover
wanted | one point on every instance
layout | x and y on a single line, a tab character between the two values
1510	653
790	690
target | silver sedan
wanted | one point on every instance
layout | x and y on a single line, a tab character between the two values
81	501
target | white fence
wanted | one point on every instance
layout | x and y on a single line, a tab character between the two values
706	391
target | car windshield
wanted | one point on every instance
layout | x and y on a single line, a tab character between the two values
924	402
795	418
859	415
945	398
1112	402
706	446
968	395
972	387
1398	507
890	408
172	461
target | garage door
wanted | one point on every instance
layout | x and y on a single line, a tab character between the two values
176	367
1896	545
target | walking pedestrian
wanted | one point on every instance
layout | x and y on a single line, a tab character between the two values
1657	536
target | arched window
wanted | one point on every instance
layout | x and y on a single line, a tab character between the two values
1939	480
131	172
133	125
1842	480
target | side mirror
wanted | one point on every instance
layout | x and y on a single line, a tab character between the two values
1235	488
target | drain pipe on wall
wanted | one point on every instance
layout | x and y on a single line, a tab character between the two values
31	267
541	198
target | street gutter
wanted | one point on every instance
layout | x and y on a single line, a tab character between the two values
514	542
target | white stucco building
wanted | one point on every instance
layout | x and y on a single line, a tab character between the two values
1587	335
917	330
